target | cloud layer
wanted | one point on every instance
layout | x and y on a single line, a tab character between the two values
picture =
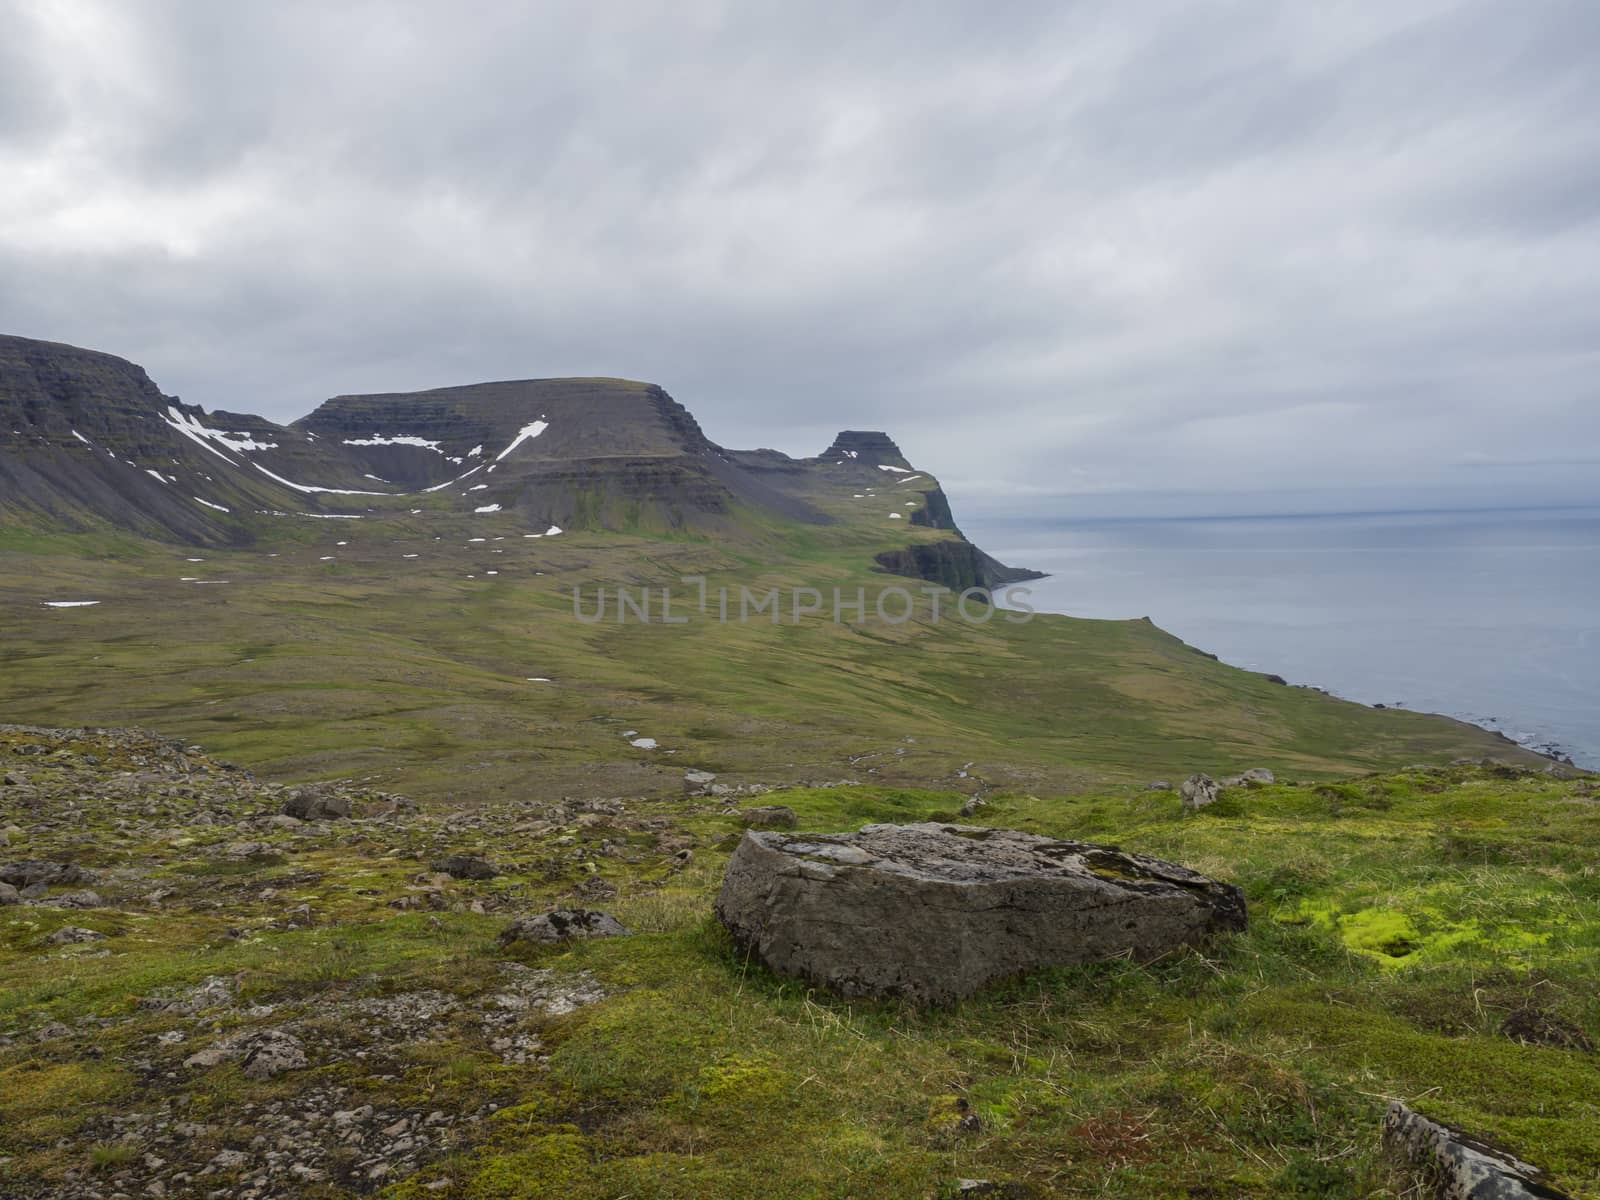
1092	248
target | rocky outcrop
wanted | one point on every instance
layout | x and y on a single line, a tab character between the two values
1458	1166
865	448
957	565
934	912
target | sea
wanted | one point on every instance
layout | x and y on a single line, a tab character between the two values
1490	616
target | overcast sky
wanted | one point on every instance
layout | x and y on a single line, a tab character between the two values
1074	256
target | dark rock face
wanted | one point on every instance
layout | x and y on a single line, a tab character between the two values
955	565
866	448
563	925
934	912
464	866
1459	1167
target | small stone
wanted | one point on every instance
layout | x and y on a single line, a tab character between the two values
1461	1165
771	816
563	925
464	866
1199	791
71	935
316	803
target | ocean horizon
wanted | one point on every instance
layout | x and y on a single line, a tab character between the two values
1486	615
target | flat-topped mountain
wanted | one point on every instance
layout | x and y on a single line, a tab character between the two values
88	440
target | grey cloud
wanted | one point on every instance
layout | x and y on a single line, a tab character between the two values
1152	247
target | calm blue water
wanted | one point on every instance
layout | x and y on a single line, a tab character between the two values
1490	616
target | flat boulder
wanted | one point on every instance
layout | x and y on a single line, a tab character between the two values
563	925
934	912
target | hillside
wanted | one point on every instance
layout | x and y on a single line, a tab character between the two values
256	1005
88	442
260	995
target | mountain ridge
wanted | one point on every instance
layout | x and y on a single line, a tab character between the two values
88	439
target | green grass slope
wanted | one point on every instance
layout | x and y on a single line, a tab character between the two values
1407	930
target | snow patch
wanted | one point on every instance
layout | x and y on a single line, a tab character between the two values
531	430
896	470
311	490
894	516
643	743
552	531
208	504
487	508
70	603
205	436
81	438
402	439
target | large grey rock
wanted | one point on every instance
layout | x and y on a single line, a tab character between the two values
1199	791
934	912
1459	1167
9	895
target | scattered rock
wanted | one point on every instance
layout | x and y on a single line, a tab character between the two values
1460	1167
1254	776
934	912
79	900
72	935
1199	791
264	1053
770	816
563	925
1159	785
31	871
315	803
464	866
